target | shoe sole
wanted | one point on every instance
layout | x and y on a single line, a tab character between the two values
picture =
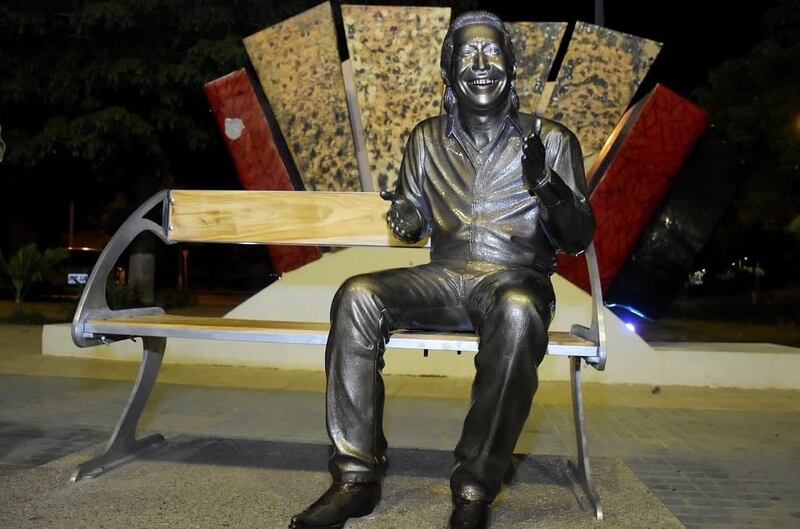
365	512
337	526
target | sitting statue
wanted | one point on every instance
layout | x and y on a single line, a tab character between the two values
498	192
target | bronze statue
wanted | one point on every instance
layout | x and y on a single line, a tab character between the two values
498	192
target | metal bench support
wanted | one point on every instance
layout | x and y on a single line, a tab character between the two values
582	471
123	443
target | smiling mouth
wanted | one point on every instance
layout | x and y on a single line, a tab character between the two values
482	82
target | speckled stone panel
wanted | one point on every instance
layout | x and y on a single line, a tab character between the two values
535	46
298	64
395	54
600	74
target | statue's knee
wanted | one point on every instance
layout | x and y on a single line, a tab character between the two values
516	304
355	291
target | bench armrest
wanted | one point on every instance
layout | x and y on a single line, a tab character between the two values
597	332
93	302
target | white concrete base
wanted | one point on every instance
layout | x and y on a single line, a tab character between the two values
306	294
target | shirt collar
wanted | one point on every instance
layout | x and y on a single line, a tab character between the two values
512	116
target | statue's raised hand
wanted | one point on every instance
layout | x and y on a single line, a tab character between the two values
534	169
403	218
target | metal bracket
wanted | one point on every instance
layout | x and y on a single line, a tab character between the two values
93	302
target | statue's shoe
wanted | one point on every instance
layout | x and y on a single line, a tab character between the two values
470	515
340	502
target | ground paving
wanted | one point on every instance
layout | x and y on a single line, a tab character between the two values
713	457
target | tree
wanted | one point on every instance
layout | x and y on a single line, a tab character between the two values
27	267
753	103
102	97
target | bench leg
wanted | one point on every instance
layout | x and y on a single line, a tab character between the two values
582	472
123	443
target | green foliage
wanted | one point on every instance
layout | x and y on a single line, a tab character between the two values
754	104
28	267
104	97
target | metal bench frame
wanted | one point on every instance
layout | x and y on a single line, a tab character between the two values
95	323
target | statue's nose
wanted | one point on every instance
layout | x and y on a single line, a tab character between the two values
480	61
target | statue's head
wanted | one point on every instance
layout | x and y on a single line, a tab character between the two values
478	63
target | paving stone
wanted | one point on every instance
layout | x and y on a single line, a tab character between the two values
710	467
202	482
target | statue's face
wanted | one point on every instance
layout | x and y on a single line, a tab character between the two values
480	78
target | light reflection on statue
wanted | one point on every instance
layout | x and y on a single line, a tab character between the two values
498	192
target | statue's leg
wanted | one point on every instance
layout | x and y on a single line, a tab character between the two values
511	311
365	310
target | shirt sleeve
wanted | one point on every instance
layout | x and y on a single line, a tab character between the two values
412	176
566	213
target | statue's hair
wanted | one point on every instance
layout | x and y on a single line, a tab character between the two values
467	19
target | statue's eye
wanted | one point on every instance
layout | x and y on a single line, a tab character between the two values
492	49
466	51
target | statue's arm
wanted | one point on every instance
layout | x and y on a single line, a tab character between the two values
409	215
554	173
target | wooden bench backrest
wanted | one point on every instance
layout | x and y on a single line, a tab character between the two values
279	217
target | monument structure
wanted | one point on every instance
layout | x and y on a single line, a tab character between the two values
498	192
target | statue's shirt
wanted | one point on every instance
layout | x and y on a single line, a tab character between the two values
476	204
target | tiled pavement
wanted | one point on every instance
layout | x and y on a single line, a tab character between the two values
716	458
718	492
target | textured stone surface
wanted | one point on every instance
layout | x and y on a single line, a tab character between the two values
299	68
716	457
535	45
244	128
246	133
197	482
395	55
600	74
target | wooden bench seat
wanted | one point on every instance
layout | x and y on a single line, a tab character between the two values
277	217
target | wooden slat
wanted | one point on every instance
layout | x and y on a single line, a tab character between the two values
298	332
279	217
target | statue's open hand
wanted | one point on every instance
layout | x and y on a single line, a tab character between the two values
403	218
534	169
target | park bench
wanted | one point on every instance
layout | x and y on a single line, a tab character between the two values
277	217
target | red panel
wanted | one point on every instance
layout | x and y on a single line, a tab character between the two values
647	154
248	137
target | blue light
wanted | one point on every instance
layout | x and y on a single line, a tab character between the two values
630	309
631	327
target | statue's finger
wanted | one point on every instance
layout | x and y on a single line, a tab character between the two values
537	127
389	195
